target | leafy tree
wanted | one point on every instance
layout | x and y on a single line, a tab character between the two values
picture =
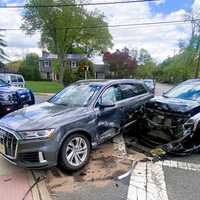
64	28
30	67
121	64
14	66
3	55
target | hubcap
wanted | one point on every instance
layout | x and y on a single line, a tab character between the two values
76	151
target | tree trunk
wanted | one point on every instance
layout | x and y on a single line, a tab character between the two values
198	66
62	68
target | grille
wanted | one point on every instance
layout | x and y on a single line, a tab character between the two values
29	157
9	141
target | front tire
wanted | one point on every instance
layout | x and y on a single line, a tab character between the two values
74	153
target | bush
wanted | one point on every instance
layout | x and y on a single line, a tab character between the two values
68	77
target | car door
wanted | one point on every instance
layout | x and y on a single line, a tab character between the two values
134	96
109	118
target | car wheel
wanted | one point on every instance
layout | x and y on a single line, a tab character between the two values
74	153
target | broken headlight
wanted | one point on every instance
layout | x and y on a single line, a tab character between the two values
189	124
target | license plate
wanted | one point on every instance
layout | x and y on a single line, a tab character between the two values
2	149
25	106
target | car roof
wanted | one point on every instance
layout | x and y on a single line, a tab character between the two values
109	81
192	81
10	74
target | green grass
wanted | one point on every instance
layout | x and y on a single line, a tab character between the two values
44	86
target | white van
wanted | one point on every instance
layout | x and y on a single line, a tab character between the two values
16	80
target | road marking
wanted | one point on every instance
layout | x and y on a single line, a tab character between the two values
147	182
180	165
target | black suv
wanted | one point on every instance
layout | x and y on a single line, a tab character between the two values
64	129
172	121
13	98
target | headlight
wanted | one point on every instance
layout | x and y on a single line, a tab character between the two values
37	134
189	124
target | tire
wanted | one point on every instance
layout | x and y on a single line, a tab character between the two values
72	156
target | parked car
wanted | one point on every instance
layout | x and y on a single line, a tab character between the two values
16	80
13	98
172	121
64	130
150	83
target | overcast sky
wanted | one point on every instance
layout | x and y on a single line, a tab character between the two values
160	40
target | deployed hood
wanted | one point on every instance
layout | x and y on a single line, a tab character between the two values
42	116
174	105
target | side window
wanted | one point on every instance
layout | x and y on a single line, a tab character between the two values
141	89
112	94
131	90
13	79
20	80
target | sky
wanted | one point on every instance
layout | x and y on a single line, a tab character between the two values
160	40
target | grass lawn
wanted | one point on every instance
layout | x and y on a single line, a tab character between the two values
44	86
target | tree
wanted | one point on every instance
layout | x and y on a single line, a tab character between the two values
121	64
14	66
3	56
30	67
67	27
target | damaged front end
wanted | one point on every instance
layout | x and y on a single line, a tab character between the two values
170	132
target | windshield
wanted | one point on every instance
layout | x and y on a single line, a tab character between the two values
185	91
76	95
3	83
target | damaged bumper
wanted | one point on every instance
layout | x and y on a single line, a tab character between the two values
166	137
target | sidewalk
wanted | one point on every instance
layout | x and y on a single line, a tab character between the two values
15	182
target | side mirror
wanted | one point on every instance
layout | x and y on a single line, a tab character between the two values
106	104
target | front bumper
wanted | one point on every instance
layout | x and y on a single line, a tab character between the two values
31	153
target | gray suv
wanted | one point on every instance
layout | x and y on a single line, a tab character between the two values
64	130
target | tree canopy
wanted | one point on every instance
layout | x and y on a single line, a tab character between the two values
121	63
30	67
65	28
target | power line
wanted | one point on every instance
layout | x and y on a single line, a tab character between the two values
115	26
72	5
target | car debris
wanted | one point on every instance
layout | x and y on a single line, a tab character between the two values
171	122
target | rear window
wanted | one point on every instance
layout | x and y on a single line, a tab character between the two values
132	90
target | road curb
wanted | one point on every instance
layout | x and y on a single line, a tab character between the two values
44	94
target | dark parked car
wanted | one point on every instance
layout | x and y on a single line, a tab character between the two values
13	98
172	121
65	129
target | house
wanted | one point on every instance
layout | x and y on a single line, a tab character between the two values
101	71
46	64
72	60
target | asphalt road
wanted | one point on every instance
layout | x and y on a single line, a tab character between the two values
182	182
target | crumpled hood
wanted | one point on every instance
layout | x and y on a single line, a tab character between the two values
41	116
173	104
12	89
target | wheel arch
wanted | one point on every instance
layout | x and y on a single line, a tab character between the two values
76	131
